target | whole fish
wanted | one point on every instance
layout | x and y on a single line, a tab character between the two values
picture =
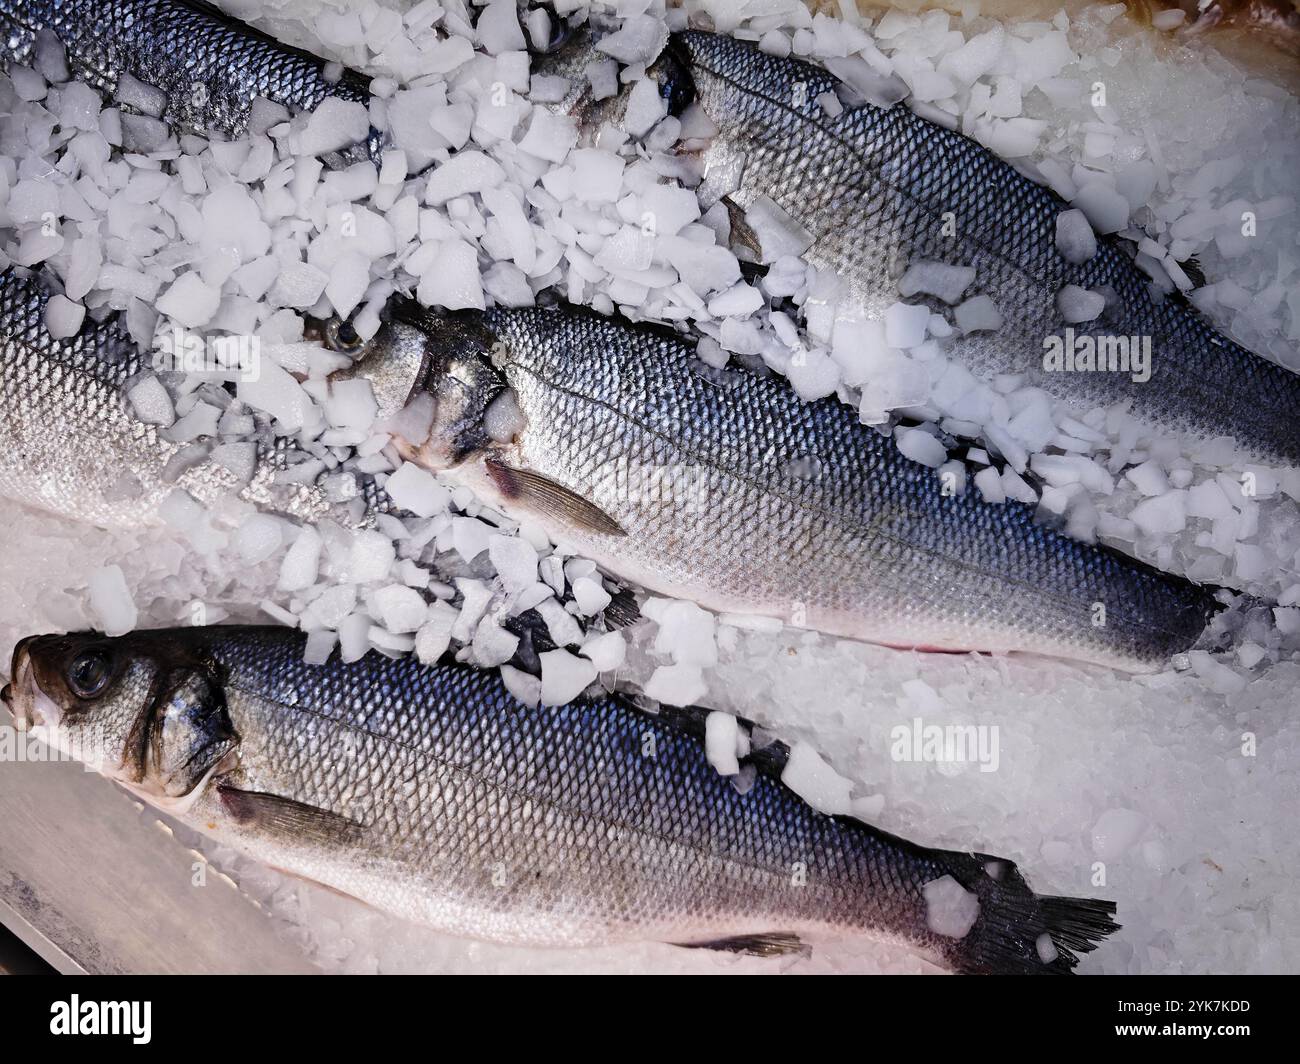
209	66
70	442
431	793
874	189
726	488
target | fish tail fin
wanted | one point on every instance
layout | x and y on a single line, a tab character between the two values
1233	615
1018	932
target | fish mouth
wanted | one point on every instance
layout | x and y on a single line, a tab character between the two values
31	707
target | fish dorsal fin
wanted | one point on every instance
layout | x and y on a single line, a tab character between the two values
767	944
278	815
551	498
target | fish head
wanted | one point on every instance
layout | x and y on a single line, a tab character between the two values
146	709
456	410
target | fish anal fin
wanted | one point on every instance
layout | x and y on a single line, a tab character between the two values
278	815
768	944
551	498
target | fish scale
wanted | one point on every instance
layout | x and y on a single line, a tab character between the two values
431	792
211	67
778	507
872	186
477	759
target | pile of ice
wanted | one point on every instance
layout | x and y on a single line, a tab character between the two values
484	195
1060	99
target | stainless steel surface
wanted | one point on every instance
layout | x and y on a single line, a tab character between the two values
91	885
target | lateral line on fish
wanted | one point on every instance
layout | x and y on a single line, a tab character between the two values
1060	598
971	236
541	800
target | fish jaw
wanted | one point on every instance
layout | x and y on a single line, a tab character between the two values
27	703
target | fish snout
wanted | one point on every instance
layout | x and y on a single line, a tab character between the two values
17	694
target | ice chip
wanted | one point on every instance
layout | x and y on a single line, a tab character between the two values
1075	239
564	676
334	123
816	782
111	601
950	909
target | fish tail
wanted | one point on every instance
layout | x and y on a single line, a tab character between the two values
1230	614
1018	932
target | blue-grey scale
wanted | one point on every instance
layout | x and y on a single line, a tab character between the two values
726	488
878	188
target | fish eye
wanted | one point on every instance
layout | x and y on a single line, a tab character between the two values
341	336
89	673
561	31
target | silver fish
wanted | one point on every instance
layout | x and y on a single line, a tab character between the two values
209	66
726	488
71	444
875	189
433	794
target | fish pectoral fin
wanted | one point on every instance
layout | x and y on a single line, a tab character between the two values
769	944
742	233
550	497
272	813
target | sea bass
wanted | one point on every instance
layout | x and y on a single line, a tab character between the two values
431	793
875	189
209	67
726	488
71	443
